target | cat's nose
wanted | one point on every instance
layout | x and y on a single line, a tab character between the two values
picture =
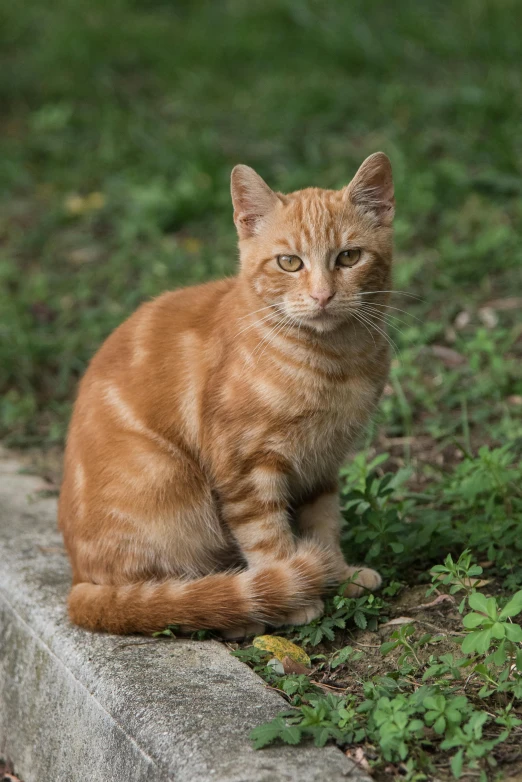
322	297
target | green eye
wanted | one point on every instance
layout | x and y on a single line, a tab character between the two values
289	263
348	257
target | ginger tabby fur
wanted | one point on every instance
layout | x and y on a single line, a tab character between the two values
200	484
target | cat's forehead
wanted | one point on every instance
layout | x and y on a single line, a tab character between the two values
314	202
316	218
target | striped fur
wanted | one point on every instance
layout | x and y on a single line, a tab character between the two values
200	471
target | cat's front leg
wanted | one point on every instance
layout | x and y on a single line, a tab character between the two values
255	508
320	519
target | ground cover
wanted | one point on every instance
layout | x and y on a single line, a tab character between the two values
120	124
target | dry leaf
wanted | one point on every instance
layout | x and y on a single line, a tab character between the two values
462	320
358	757
281	648
488	317
476	582
511	303
399	620
191	244
449	357
292	666
76	204
328	687
439	599
469	582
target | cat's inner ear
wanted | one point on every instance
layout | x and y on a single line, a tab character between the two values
371	189
252	200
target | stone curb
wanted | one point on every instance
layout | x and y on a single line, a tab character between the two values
76	705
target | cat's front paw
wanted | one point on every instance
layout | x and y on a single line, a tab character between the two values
365	579
302	616
245	631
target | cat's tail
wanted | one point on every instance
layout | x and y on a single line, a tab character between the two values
220	601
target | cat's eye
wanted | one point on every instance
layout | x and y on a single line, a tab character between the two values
289	263
348	257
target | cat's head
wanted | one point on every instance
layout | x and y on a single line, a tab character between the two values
314	254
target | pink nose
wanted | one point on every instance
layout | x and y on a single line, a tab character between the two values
322	297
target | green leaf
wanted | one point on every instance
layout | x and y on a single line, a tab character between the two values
473	620
440	725
360	620
322	737
436	702
388	646
513	607
483	641
469	643
291	734
456	763
478	602
513	632
492	608
453	715
477	642
267	733
499	658
498	630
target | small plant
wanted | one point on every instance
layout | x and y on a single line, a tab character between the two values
459	576
472	745
489	626
322	719
444	713
345	655
340	611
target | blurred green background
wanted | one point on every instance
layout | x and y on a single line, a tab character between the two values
121	119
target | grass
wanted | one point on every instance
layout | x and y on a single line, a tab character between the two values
423	681
120	124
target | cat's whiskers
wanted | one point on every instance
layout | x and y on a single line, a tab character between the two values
355	299
354	313
384	317
402	293
367	319
386	323
265	337
389	307
272	335
270	306
257	322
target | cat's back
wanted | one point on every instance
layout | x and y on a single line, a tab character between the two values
158	327
150	362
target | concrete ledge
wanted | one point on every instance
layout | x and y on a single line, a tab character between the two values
77	706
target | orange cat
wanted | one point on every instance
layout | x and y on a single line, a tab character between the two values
201	467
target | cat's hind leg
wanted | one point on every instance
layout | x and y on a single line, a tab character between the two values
321	520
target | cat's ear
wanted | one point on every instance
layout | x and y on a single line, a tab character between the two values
252	200
371	189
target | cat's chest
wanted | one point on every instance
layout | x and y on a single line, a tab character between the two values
319	439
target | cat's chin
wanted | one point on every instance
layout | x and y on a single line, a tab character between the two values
323	322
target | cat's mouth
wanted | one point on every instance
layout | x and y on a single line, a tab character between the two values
321	315
322	320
